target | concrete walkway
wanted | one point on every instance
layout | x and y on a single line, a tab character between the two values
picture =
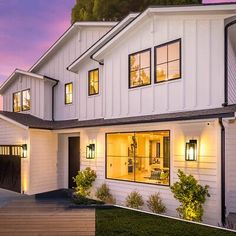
26	216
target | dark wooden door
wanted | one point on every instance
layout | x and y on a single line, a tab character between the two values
10	173
74	159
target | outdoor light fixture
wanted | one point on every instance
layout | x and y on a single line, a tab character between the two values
24	151
90	151
191	150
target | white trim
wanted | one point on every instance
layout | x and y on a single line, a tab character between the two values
202	9
18	71
110	34
13	122
73	27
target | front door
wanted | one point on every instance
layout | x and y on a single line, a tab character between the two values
74	159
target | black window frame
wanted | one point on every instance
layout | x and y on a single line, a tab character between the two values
22	107
68	103
150	68
167	62
89	72
13	102
133	181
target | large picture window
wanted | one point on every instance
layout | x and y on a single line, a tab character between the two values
93	82
168	61
140	68
26	100
68	93
139	157
17	102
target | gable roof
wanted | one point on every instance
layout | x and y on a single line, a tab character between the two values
30	121
67	34
161	10
18	72
102	41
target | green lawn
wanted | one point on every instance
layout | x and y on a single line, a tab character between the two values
117	221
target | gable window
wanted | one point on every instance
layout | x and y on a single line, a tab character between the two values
17	102
140	68
26	100
93	82
68	93
168	61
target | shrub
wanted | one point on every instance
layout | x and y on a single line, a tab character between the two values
103	193
155	204
84	181
81	200
191	195
134	200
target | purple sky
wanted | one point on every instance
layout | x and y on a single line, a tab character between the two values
27	29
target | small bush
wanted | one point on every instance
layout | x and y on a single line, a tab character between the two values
103	193
155	204
191	196
81	200
84	181
134	200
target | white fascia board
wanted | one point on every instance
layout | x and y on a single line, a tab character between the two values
13	122
201	9
101	41
16	72
66	34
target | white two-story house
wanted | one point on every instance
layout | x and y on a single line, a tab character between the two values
135	101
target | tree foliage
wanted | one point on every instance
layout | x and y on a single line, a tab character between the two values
115	10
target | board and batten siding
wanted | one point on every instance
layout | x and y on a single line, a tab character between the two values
206	169
231	73
42	161
55	67
40	96
202	82
230	154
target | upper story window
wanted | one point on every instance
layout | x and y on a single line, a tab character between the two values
168	61
93	82
140	68
17	102
68	93
26	100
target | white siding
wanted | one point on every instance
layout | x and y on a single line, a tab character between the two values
56	66
231	74
206	169
231	167
42	162
202	82
40	92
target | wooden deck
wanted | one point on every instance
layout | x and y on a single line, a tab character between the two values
31	218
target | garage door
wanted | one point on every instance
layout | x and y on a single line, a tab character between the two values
10	167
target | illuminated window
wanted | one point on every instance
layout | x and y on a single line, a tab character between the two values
140	69
93	82
17	102
139	157
168	61
26	100
68	93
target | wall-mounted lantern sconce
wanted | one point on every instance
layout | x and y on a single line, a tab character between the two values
24	151
191	150
90	151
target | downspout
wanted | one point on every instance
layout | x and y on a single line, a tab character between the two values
53	99
226	100
99	62
223	207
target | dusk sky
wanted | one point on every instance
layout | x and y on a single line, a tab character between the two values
27	29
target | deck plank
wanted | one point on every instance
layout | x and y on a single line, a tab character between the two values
29	217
